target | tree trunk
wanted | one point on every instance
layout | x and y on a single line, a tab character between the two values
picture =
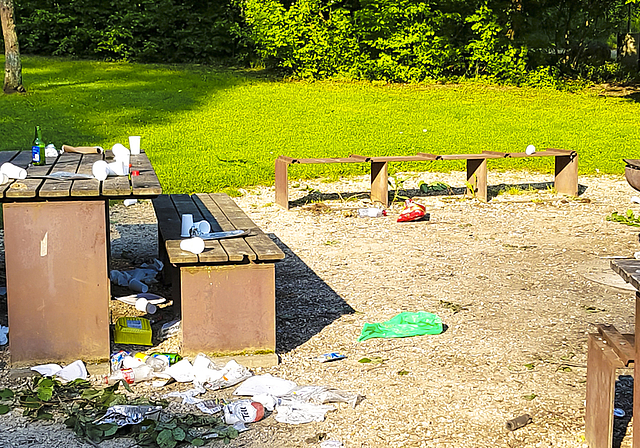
12	64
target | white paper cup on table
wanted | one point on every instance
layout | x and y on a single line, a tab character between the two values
143	304
203	226
138	286
134	144
3	178
12	171
121	154
118	168
100	170
194	245
187	224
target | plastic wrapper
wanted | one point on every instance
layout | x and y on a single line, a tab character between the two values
412	211
320	395
123	415
214	377
265	384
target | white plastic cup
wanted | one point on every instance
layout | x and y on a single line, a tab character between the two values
3	178
530	150
129	202
134	144
203	226
194	245
143	304
187	224
118	168
12	171
100	170
137	286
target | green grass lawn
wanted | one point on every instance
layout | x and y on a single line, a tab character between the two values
207	129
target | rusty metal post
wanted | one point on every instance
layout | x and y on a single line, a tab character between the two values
228	309
566	174
282	183
601	373
57	281
380	183
477	178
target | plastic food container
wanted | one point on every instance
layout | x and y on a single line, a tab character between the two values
132	330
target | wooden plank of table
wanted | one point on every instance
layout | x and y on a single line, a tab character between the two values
261	244
328	160
6	156
27	188
146	183
213	253
622	344
547	153
469	156
236	248
169	223
416	158
116	186
88	187
626	268
67	162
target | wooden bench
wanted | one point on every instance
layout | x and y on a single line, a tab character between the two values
226	293
565	180
608	350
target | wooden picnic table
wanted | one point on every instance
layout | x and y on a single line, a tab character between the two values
56	237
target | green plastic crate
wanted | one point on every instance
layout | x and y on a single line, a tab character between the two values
132	330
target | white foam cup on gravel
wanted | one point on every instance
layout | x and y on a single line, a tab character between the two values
143	304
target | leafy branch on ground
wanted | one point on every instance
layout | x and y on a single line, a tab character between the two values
84	405
628	218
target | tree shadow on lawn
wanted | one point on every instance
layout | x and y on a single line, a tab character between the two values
305	304
86	102
493	191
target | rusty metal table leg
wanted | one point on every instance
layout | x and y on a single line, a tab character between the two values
566	175
228	309
282	183
477	178
57	281
380	183
601	375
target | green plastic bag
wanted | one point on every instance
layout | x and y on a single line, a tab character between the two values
403	325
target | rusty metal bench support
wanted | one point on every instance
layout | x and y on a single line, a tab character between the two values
228	309
608	351
57	281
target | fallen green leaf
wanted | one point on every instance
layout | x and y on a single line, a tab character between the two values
403	372
6	394
529	397
530	366
4	409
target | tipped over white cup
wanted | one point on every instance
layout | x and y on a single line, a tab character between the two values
530	150
143	304
194	245
101	170
203	226
12	171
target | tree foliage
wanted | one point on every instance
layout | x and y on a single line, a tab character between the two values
534	42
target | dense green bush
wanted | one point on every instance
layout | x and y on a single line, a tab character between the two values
144	30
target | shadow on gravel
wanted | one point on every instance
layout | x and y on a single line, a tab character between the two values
305	304
623	400
400	195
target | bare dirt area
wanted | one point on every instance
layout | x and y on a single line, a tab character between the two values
519	282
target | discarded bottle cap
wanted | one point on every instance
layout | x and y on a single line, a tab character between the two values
518	422
619	412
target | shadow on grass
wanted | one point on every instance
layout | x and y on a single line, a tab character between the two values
305	304
493	191
87	102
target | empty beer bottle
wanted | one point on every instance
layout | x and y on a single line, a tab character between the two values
37	148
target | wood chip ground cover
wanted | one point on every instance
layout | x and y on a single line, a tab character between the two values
511	279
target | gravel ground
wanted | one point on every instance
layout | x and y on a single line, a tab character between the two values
519	283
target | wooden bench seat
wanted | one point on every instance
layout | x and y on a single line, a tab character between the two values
608	350
226	293
565	181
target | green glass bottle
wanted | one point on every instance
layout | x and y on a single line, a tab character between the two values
37	148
